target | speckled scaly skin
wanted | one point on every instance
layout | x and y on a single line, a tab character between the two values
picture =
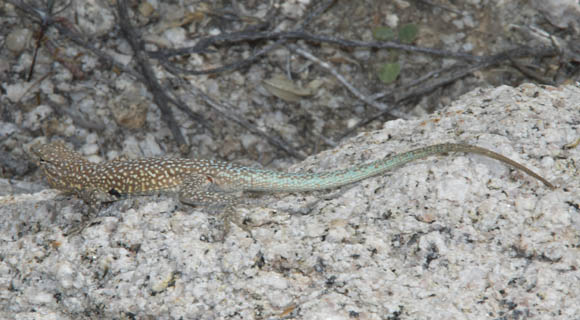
208	182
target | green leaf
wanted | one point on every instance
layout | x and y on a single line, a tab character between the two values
408	33
389	72
383	34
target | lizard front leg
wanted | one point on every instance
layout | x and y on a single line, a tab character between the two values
94	197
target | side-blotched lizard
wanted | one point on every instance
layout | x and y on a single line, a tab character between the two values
209	182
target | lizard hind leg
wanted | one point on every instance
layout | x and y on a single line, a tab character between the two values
200	190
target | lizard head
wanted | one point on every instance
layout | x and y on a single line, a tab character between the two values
59	164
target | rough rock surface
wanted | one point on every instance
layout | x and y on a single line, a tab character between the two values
447	237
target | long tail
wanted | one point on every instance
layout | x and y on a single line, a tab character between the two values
295	182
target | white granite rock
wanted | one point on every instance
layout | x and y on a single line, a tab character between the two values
459	237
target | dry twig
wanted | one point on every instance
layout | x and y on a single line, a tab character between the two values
159	96
348	85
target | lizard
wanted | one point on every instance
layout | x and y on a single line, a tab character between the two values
208	182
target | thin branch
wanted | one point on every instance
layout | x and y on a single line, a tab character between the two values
42	18
204	43
226	111
462	72
531	73
281	144
350	87
489	61
159	96
164	61
244	36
